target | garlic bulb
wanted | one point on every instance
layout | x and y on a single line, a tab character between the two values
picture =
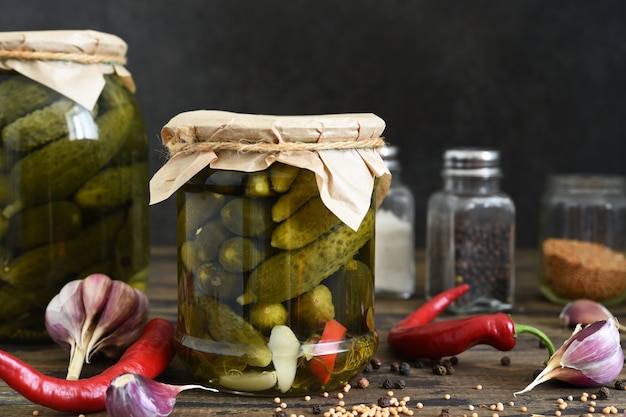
95	314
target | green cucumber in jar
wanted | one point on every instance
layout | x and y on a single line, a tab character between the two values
50	266
290	273
20	96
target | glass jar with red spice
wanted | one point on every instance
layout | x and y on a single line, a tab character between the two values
582	238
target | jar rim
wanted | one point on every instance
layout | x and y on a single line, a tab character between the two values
588	182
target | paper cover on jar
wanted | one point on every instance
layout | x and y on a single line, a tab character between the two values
71	62
339	148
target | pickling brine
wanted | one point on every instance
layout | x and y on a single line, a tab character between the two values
259	253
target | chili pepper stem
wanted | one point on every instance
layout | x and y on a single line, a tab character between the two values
522	328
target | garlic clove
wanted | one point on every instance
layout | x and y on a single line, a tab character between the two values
132	395
592	356
65	315
285	348
249	381
119	321
584	311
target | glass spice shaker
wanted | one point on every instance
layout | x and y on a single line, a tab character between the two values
471	233
583	238
395	257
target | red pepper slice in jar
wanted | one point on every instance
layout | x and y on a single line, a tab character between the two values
418	337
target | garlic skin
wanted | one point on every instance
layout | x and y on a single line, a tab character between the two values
132	395
95	314
592	356
584	311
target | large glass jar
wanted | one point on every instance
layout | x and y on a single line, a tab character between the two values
583	238
276	286
471	233
395	254
73	172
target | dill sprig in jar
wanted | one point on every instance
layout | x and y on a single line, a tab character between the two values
73	171
275	229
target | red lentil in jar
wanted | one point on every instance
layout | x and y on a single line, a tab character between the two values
275	246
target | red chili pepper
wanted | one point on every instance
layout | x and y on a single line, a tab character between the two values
416	337
148	356
323	363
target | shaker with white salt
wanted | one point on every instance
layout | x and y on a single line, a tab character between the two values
395	250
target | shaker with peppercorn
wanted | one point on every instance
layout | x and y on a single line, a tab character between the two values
471	233
395	255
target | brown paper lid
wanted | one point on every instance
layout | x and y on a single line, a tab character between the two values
339	148
68	61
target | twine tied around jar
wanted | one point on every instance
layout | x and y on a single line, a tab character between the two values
339	148
79	58
70	62
184	145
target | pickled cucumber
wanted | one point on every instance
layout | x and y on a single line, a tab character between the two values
228	327
354	285
240	254
291	273
50	266
258	184
209	238
314	308
282	176
46	223
55	171
311	221
211	280
227	182
249	217
111	188
39	127
197	209
265	316
303	188
6	194
21	95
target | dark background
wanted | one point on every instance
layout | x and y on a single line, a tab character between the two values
544	81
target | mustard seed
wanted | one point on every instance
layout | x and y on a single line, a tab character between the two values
479	387
523	409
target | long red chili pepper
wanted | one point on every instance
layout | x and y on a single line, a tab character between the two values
148	356
417	337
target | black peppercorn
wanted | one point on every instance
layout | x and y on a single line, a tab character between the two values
400	384
317	409
604	392
620	384
439	370
405	368
376	363
387	384
505	361
384	402
395	367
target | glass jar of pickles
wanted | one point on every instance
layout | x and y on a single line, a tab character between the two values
275	247
73	171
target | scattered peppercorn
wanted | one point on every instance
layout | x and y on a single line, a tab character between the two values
449	369
505	361
454	360
280	413
363	382
405	368
387	384
317	409
368	368
604	392
400	384
395	367
620	384
439	370
445	413
376	363
384	402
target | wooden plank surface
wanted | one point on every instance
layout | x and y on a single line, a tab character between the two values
480	365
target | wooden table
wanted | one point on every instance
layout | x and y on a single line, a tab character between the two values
480	365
